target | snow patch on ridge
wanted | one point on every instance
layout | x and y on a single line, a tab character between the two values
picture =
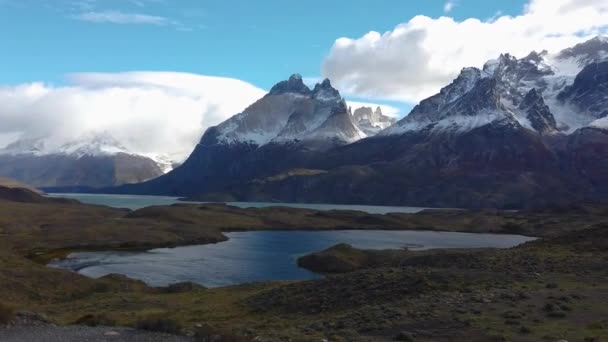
600	123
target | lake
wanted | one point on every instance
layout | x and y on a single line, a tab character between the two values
135	202
262	256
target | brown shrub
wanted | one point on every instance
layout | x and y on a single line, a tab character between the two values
92	320
159	324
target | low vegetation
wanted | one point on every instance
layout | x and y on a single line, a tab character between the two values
550	289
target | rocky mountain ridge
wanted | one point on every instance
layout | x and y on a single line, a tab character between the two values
515	133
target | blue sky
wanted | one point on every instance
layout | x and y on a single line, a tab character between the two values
69	66
260	42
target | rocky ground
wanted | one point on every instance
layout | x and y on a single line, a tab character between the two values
34	328
549	290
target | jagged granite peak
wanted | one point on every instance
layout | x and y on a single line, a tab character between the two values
294	85
481	105
515	77
431	108
371	122
373	117
531	67
483	96
325	92
291	112
465	81
538	113
589	92
339	126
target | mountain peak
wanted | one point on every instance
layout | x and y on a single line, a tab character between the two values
294	85
94	143
325	92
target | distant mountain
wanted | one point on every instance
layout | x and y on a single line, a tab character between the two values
371	122
515	133
94	160
288	128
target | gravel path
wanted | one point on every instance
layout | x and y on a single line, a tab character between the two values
75	333
32	327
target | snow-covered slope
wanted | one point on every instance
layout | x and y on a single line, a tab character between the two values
292	112
543	93
100	144
89	161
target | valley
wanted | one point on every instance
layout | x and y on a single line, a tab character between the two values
445	179
548	287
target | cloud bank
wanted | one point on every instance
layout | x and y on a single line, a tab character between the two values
149	112
417	58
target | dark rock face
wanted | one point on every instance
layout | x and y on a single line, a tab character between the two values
538	112
589	92
432	108
493	166
588	152
293	85
483	95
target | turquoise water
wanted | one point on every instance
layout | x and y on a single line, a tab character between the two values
262	256
135	202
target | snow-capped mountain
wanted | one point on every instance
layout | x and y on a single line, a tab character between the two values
517	132
93	145
370	121
91	160
287	128
541	92
292	112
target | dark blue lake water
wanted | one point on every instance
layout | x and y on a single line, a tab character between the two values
262	256
135	202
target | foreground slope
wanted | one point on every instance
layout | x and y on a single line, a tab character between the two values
550	289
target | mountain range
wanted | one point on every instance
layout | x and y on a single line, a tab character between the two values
92	161
515	133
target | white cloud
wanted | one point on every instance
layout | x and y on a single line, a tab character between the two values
418	57
449	6
149	112
118	17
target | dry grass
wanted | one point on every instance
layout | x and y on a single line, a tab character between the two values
7	313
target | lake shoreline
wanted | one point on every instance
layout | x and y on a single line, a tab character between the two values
471	292
272	254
